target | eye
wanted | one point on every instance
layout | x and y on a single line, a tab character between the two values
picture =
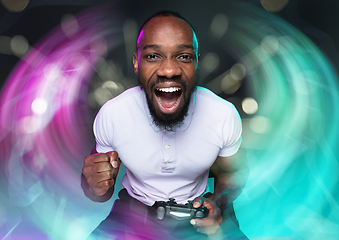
152	57
185	58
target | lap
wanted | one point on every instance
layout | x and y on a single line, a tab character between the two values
131	219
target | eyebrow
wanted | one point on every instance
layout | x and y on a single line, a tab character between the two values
157	46
185	46
154	46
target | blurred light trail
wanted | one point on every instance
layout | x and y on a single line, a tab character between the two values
291	138
46	124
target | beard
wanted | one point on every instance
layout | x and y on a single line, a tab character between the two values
169	120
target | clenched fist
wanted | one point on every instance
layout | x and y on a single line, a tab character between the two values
100	172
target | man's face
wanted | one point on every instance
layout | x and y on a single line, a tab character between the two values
166	63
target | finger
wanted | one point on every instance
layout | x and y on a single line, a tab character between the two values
98	178
102	167
214	215
114	159
96	158
102	176
207	229
101	188
213	210
197	202
106	180
204	222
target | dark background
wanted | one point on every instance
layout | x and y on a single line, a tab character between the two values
319	20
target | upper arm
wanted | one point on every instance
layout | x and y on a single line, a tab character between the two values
232	163
234	166
230	177
103	130
231	133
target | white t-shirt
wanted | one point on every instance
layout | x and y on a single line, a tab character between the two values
162	164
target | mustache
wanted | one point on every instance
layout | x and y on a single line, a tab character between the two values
174	79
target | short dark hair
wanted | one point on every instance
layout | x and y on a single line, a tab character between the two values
166	13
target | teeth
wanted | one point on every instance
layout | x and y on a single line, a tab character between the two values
170	89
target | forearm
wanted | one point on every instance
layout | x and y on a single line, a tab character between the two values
230	176
91	195
229	186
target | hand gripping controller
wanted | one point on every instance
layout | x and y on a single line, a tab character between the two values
179	211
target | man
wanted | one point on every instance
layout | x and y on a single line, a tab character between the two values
168	133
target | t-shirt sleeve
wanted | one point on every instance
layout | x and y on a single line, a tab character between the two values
103	131
232	130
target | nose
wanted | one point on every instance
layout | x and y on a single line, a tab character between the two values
169	69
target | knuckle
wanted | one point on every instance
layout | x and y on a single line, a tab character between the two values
106	184
106	167
100	188
101	156
87	160
107	175
105	155
85	171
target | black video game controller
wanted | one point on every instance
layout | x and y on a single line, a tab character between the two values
179	211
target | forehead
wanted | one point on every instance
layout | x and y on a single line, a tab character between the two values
166	31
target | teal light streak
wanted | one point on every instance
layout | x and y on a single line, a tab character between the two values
292	190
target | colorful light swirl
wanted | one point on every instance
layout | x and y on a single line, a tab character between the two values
292	190
291	141
46	130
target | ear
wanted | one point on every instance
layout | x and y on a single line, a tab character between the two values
135	63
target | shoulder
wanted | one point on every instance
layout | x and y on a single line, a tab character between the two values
128	98
208	100
118	109
212	109
122	106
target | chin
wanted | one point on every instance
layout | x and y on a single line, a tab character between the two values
172	120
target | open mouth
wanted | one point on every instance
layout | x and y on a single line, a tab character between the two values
168	98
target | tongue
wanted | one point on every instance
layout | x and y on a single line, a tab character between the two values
168	100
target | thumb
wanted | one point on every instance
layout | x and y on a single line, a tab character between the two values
114	159
197	202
